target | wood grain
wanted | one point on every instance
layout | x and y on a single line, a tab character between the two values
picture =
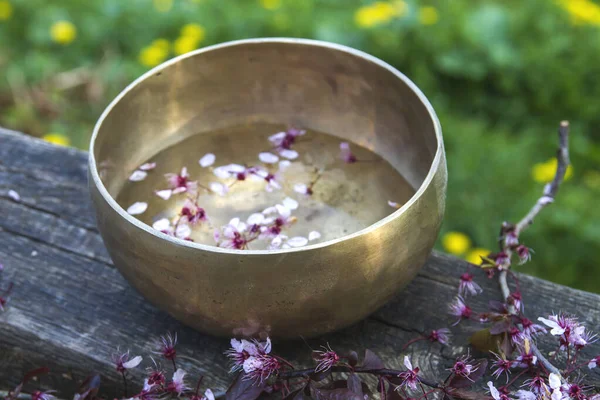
71	309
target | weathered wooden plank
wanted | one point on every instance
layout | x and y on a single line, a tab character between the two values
71	309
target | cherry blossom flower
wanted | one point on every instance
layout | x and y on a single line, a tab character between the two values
166	346
137	176
555	384
569	331
236	171
526	357
516	336
468	286
441	335
243	349
122	362
155	376
558	323
137	208
326	358
594	362
231	236
39	395
495	393
501	366
192	213
180	183
524	254
511	239
464	367
525	395
346	154
530	329
273	225
393	204
535	384
207	160
163	225
147	166
14	195
502	260
459	309
573	391
283	141
516	300
260	368
273	180
183	231
410	377
303	188
177	384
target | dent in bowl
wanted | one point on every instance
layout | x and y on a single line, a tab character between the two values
314	85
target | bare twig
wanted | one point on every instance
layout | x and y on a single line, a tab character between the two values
550	191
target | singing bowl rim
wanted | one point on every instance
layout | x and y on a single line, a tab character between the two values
310	42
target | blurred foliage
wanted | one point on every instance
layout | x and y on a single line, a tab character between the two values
500	73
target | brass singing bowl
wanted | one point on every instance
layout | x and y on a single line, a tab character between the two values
311	84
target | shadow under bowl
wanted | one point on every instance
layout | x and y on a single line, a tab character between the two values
320	86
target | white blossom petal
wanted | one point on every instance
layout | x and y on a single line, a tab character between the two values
162	224
178	376
267	346
290	203
284	164
592	364
289	154
525	395
207	160
184	172
14	195
137	208
554	381
283	211
270	210
268	158
208	394
183	231
556	329
300	188
138	176
222	172
297	241
276	138
493	391
164	194
218	188
147	167
314	235
134	362
393	204
407	363
276	242
255	219
236	168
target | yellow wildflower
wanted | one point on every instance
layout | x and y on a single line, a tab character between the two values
6	10
379	13
428	15
591	179
161	44
194	30
63	32
152	55
163	6
184	44
474	256
57	138
582	11
456	243
270	4
544	172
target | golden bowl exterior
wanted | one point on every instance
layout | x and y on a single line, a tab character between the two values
315	85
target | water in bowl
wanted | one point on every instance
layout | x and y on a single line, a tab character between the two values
322	194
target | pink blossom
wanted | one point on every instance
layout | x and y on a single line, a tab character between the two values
122	362
346	154
156	377
303	188
283	141
594	362
516	336
524	254
569	331
511	239
530	329
526	357
460	309
180	183
163	225
243	349
260	368
502	260
410	377
273	180
326	358
501	366
468	286
535	384
166	346
525	395
516	300
193	213
495	393
178	384
441	335
231	236
231	171
464	367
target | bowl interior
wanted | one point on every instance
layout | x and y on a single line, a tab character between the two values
313	85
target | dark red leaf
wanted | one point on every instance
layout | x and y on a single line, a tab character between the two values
468	395
319	376
243	389
355	384
392	393
295	395
334	394
506	346
352	358
500	327
372	361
